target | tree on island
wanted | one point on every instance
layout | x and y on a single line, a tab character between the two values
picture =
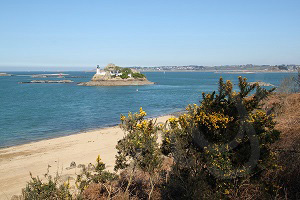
125	71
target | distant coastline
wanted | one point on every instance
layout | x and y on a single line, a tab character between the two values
222	72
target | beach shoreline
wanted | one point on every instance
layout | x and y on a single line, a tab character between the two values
56	154
74	132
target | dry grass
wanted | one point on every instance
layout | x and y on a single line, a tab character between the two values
287	115
139	188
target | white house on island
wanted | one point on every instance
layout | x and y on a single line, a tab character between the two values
115	73
110	72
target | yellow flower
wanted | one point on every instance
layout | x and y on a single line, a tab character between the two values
98	159
144	123
226	191
122	117
173	119
142	113
67	184
139	125
168	140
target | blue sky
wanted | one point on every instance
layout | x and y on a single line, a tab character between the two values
83	33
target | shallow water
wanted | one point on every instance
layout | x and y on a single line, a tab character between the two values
30	112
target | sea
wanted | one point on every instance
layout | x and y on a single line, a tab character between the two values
32	112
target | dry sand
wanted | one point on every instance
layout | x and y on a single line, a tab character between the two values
16	162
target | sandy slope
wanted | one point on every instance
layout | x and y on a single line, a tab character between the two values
16	162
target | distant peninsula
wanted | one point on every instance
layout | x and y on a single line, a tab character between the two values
113	75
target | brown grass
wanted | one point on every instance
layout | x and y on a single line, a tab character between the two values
287	115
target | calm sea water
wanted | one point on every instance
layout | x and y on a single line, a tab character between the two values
30	112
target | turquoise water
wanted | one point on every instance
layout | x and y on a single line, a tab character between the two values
30	112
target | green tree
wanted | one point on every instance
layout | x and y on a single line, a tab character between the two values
138	75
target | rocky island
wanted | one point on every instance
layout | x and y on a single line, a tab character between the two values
5	74
48	81
113	75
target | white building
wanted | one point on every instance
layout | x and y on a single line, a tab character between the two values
99	71
115	73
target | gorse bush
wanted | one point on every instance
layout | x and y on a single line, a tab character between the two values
98	175
139	147
36	189
221	144
53	188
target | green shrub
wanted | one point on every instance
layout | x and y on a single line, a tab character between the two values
220	144
139	147
98	175
125	73
37	189
138	75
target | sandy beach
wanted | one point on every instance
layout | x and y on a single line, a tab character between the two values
16	162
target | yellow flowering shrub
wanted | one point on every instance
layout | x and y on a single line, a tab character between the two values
49	188
139	147
215	144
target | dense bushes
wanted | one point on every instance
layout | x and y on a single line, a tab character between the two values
138	75
221	144
139	147
126	71
37	189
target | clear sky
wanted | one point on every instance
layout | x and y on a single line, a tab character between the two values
83	33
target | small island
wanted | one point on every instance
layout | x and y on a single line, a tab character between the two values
113	75
5	74
48	81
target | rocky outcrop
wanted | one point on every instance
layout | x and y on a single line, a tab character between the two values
48	81
98	77
117	82
5	74
260	83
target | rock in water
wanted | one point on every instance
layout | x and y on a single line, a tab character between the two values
73	164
